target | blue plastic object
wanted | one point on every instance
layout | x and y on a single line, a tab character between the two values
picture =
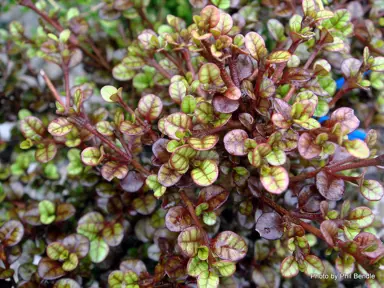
323	119
339	83
357	134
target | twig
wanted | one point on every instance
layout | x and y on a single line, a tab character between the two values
187	58
313	230
205	132
280	67
66	84
73	39
174	61
223	73
125	157
292	90
196	221
51	88
303	176
339	94
157	66
340	166
145	18
378	161
233	70
369	45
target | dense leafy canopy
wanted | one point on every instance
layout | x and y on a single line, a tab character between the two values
156	148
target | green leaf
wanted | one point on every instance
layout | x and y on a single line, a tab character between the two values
107	92
196	266
309	8
204	112
91	156
26	144
113	234
313	265
177	91
60	127
203	253
98	250
32	128
113	169
289	267
276	29
77	244
150	107
66	283
45	152
177	122
209	73
57	251
345	264
153	184
208	279
378	64
167	176
274	179
188	105
23	113
64	35
276	157
71	263
90	225
372	190
122	73
222	4
225	267
180	157
206	174
360	217
145	205
204	143
267	88
209	218
133	62
189	241
50	269
210	15
357	148
11	233
105	128
278	57
228	245
131	129
47	210
126	279
255	158
255	45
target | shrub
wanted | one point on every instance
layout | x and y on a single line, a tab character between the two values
220	155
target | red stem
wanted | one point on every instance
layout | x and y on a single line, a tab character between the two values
196	221
67	88
339	94
52	88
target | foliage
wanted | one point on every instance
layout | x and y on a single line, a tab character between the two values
210	150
